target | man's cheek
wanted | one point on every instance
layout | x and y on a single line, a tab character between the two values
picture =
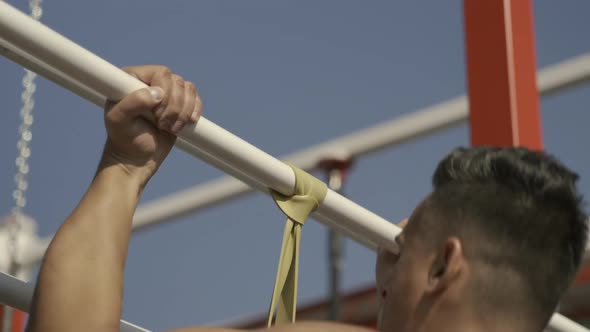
394	312
401	285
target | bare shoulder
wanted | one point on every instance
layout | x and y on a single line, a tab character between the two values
299	327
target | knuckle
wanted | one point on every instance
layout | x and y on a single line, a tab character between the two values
177	80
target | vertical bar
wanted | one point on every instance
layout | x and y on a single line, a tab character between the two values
335	181
501	72
336	165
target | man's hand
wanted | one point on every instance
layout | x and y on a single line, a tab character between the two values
133	142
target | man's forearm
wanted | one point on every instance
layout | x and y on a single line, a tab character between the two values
80	287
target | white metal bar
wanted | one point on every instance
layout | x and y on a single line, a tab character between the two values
397	131
28	61
423	122
80	65
19	294
560	323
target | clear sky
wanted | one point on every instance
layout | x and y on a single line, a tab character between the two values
283	75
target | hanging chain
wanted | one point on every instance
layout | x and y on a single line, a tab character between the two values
24	152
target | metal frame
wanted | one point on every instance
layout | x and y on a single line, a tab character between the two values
63	61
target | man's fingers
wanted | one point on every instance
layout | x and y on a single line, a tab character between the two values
188	107
175	105
198	110
180	103
140	101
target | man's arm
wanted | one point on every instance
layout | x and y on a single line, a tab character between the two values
81	283
80	286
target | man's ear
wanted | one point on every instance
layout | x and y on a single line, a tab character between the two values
447	266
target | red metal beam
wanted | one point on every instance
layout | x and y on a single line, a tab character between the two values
501	70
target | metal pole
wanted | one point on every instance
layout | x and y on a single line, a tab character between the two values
336	167
560	323
335	180
399	130
501	72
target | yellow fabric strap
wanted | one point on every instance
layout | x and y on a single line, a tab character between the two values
308	195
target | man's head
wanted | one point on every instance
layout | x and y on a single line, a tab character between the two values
500	238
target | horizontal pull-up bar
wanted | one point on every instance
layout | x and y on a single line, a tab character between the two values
551	79
65	61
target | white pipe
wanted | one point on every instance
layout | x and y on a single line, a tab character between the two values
217	191
560	323
228	152
19	294
401	129
28	61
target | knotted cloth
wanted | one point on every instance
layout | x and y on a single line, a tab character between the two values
308	195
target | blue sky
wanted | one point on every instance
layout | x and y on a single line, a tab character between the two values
283	75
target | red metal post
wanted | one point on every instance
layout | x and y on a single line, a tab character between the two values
501	72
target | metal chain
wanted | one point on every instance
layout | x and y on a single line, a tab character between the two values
24	152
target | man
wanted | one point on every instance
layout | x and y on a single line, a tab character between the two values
492	248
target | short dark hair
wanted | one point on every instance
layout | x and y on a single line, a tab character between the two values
519	215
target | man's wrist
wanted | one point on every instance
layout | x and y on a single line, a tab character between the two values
132	174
